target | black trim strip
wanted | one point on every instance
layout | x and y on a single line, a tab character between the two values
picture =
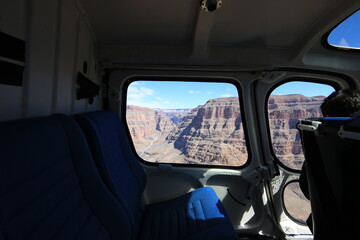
11	74
87	88
12	47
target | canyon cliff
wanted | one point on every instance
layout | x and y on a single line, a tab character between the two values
146	124
213	133
285	111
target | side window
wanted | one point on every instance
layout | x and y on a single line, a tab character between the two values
287	104
296	204
186	123
346	35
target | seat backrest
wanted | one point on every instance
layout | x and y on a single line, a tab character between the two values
49	185
349	158
326	156
117	165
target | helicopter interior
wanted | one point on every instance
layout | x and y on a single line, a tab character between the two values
176	119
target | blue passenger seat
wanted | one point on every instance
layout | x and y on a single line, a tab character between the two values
50	187
195	215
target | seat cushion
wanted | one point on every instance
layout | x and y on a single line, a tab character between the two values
196	215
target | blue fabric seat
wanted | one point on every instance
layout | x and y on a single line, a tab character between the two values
50	187
196	215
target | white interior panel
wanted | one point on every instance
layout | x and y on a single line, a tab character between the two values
13	17
40	67
67	57
58	41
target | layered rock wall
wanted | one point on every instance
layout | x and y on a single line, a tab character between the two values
146	124
213	133
285	111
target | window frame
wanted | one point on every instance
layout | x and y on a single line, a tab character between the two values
325	43
199	79
336	87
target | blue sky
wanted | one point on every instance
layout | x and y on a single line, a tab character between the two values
165	95
347	33
305	88
162	94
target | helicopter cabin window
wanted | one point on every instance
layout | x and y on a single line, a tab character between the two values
297	206
287	104
186	123
347	34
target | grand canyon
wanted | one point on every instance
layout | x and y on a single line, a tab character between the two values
213	133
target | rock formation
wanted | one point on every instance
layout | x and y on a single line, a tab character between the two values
146	124
213	133
284	113
175	115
